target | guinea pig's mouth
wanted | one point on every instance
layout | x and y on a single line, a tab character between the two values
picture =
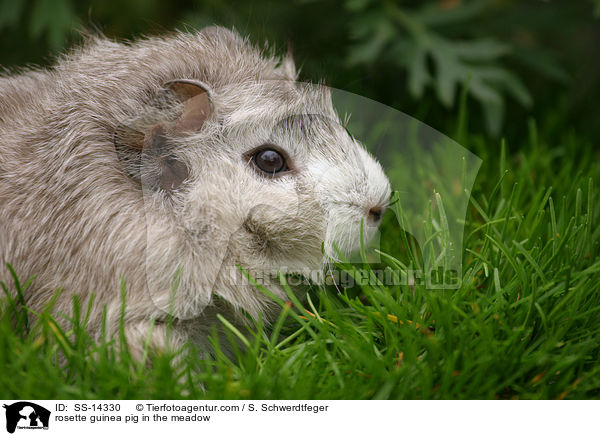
348	223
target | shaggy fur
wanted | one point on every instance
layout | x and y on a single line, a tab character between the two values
74	215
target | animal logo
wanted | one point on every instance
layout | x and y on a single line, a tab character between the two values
26	415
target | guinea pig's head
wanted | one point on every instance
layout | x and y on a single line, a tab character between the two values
260	175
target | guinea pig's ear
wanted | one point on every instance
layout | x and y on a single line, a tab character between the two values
197	104
140	140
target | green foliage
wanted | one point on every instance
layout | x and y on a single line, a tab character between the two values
409	40
55	17
596	7
52	18
394	52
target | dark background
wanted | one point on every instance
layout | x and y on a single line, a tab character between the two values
522	60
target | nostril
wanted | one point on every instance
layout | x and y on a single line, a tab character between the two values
375	213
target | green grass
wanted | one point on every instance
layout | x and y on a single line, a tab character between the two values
524	324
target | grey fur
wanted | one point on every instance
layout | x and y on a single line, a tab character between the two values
72	214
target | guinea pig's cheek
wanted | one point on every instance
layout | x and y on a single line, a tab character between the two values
278	230
210	203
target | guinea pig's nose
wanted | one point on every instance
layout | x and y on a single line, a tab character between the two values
375	214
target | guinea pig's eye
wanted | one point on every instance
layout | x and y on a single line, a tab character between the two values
270	161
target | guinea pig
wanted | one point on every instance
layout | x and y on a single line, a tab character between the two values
161	165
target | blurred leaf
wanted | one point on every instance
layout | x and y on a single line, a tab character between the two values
379	36
10	12
487	83
434	14
408	37
542	62
480	49
418	76
596	7
54	17
357	5
449	72
509	82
